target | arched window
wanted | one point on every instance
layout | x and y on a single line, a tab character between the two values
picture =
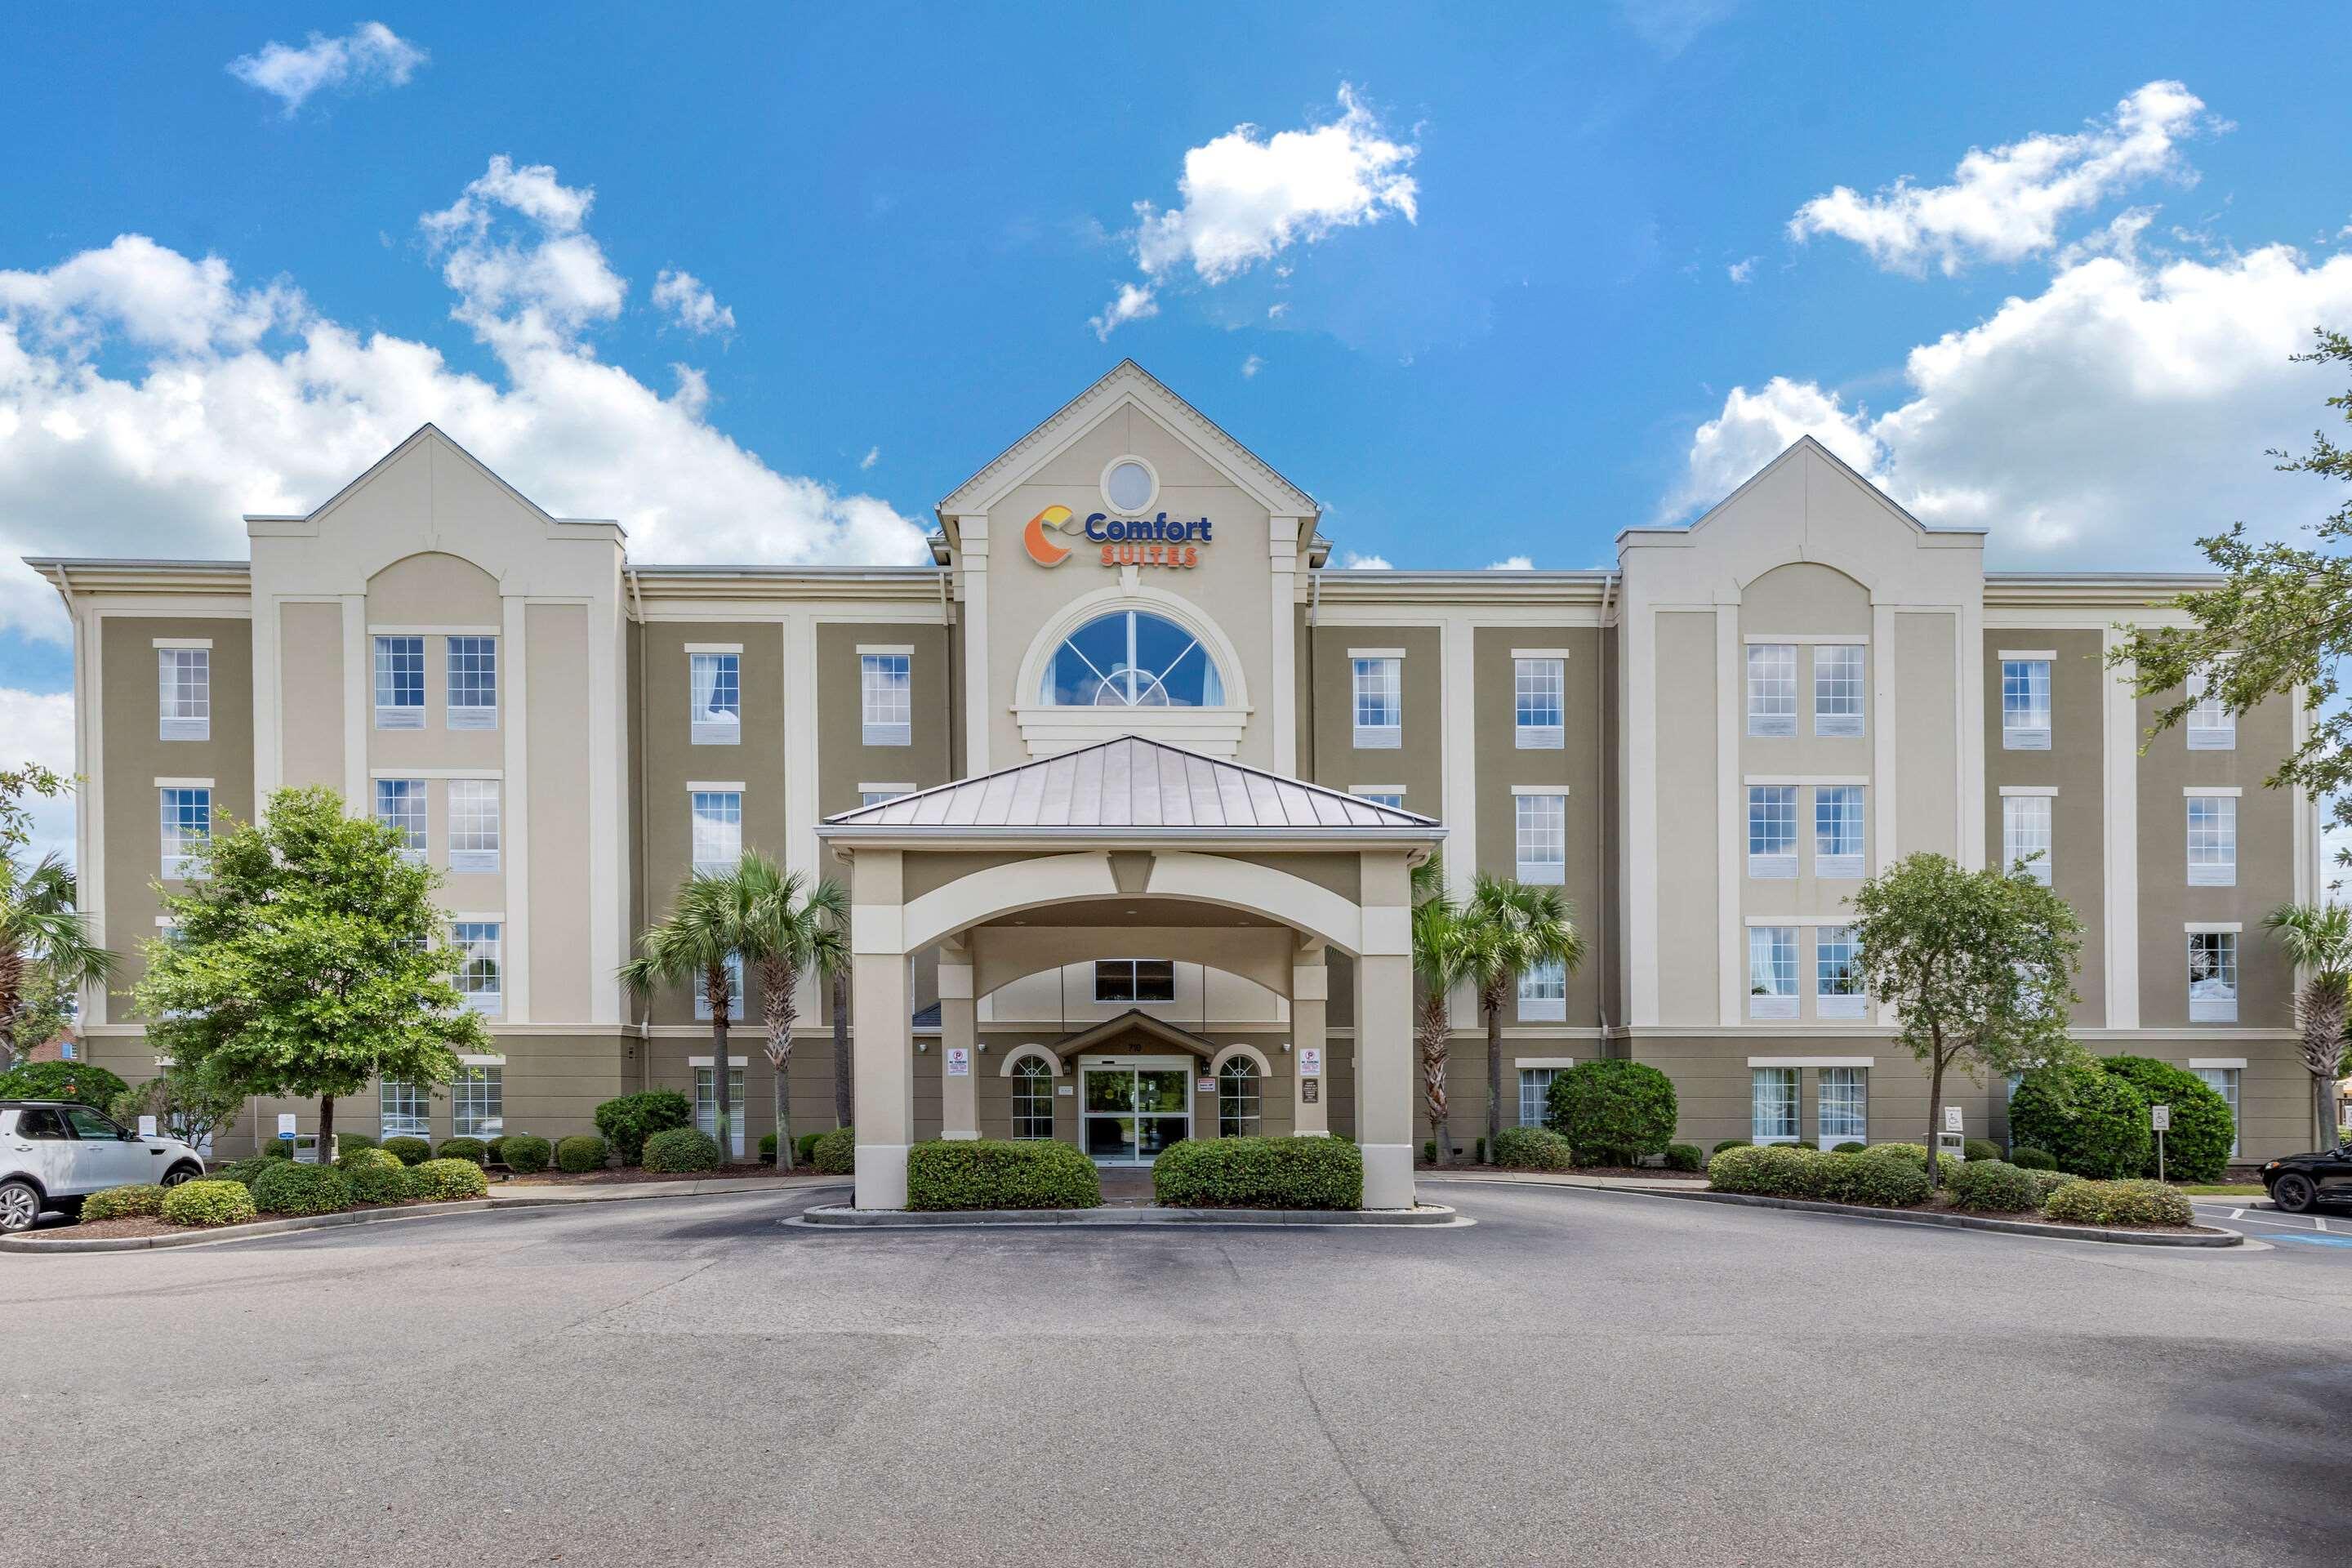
1237	1098
1033	1098
1132	659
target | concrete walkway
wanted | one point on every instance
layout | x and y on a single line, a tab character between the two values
523	1195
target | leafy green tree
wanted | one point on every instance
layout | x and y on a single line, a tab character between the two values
1509	927
93	1086
2196	1147
1979	966
710	924
2318	938
45	1007
1440	964
306	956
185	1105
45	948
791	928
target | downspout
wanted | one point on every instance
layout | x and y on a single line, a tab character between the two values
645	862
1600	793
1314	604
947	628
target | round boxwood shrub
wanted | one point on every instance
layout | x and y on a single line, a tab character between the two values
580	1153
2197	1146
834	1153
2047	1182
209	1203
408	1150
242	1171
278	1149
1684	1157
495	1149
1613	1112
804	1147
1259	1174
124	1203
2127	1202
472	1149
2026	1157
1996	1186
376	1177
1980	1149
1916	1156
681	1149
767	1148
287	1188
1771	1170
62	1080
1531	1149
2093	1122
1879	1183
628	1122
351	1143
447	1181
526	1153
1733	1143
1851	1146
999	1173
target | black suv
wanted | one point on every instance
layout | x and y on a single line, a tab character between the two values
2301	1183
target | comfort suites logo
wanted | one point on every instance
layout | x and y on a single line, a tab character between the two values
1158	541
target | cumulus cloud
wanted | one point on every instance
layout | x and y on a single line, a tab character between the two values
1247	197
1351	561
371	55
1512	563
1251	366
148	399
1740	272
692	305
2007	204
39	727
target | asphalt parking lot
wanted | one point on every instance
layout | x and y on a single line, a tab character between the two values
1579	1377
2327	1234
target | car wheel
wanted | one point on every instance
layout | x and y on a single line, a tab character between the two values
20	1205
2295	1194
178	1173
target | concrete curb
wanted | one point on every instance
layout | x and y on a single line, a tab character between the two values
838	1218
557	1197
1966	1221
237	1231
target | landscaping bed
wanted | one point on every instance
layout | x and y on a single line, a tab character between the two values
135	1226
629	1175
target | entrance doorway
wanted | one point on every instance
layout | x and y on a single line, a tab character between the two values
1130	1108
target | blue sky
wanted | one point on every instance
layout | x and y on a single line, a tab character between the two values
1490	282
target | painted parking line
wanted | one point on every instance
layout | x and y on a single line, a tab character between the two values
2317	1240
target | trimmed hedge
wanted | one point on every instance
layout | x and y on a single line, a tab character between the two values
124	1203
526	1153
1259	1174
1980	1149
834	1153
1851	1146
1916	1156
1001	1174
1613	1112
2197	1146
2046	1182
581	1153
767	1148
244	1173
1684	1157
2026	1157
287	1188
472	1149
1880	1184
2130	1202
1733	1143
804	1147
408	1150
376	1177
209	1203
1791	1171
628	1122
680	1149
62	1080
1532	1149
351	1143
2093	1122
278	1149
1996	1186
447	1181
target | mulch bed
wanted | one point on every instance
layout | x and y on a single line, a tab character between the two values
1638	1173
149	1225
631	1175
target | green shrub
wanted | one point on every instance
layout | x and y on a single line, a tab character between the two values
834	1153
1980	1149
1879	1183
1772	1170
494	1150
124	1203
408	1150
62	1080
287	1188
1996	1186
767	1148
1259	1174
351	1143
209	1203
526	1153
278	1149
2128	1201
1684	1157
472	1149
1851	1146
447	1181
999	1173
1531	1149
681	1149
2197	1146
1613	1112
2026	1157
628	1122
2093	1122
2046	1182
1733	1143
804	1147
242	1171
376	1177
580	1153
1429	1151
1916	1156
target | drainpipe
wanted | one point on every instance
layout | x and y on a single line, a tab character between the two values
1600	793
1314	604
644	862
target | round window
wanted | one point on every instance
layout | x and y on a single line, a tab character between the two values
1128	485
1132	659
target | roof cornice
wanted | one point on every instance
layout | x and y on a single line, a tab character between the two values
72	576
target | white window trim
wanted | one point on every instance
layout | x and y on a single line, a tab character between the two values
2210	928
1375	789
376	631
473	862
493	776
2213	792
2028	789
732	1062
1357	653
733	647
2028	656
1563	791
1553	1064
871	734
1558	653
2196	1062
1810	639
184	642
1811	1061
896	789
885	650
1539	737
1776	780
184	783
722	786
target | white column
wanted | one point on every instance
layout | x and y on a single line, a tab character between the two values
1311	992
972	557
1638	637
1282	708
1385	1079
2119	714
1731	831
882	1041
514	806
90	796
959	1093
359	703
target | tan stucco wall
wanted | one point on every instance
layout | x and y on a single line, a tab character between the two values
2075	764
560	954
437	590
1419	763
843	759
1689	881
311	689
1927	767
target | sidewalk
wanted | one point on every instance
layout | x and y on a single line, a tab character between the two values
525	1194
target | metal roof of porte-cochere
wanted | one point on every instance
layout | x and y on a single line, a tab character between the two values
1133	782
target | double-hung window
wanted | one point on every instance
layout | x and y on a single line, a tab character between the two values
1837	977
187	827
1543	993
2212	840
474	825
1838	678
1033	1098
734	999
1542	839
1837	830
1240	1097
2211	726
2212	976
477	1102
400	683
2025	835
473	683
2025	702
718	830
886	695
1771	688
481	971
399	805
1772	971
1773	1100
1842	1098
706	1107
184	693
1773	831
1535	1094
1538	687
1135	980
714	697
402	1109
1378	690
2223	1081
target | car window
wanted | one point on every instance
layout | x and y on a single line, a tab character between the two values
88	1124
40	1123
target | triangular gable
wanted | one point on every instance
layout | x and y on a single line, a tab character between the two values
430	433
1804	447
1134	1021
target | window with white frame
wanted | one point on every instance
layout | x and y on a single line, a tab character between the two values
734	991
2213	841
400	683
885	688
1379	687
2212	978
714	699
474	825
1838	680
2223	1081
402	1109
2025	835
2025	704
187	828
1771	688
1772	971
706	1107
1842	1098
1240	1092
1131	658
1033	1098
1135	980
1391	798
399	805
1837	830
1542	839
1773	1101
718	831
1535	1094
1773	831
477	1102
1837	974
1543	993
1538	687
481	973
183	693
2211	726
866	797
472	683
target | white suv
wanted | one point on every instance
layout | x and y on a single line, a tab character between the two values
55	1153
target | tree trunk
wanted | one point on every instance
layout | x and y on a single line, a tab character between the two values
1493	1001
1934	1117
722	1120
2322	1099
845	1107
1437	1031
2323	1010
778	1003
326	1130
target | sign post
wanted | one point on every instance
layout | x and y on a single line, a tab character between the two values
2160	1118
1954	1137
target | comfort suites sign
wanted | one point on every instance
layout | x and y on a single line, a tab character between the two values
1160	541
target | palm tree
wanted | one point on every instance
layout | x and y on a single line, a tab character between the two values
1438	963
710	923
835	967
40	928
787	936
2319	939
1509	927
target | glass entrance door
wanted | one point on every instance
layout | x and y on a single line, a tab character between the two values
1128	1114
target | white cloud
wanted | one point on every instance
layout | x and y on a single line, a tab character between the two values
1351	561
1251	366
39	727
211	399
690	304
1246	198
1740	272
371	55
2006	204
1281	307
1134	304
873	455
1512	563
